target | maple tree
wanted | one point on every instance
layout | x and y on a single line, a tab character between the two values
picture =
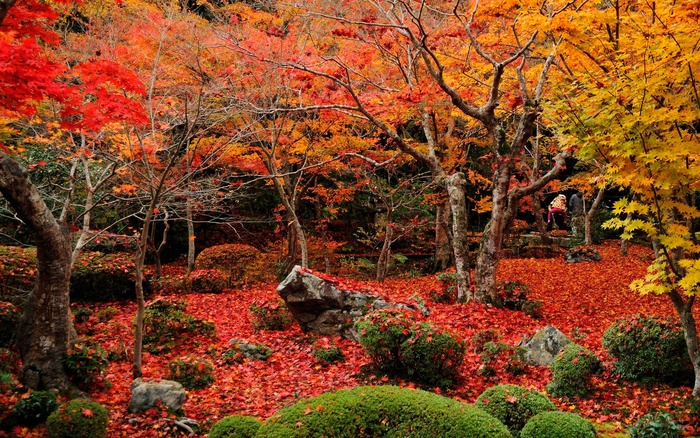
29	77
634	104
421	50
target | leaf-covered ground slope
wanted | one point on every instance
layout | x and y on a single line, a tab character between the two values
580	299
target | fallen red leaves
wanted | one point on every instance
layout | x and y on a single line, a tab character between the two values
580	299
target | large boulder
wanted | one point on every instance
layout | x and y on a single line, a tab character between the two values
321	307
544	346
144	394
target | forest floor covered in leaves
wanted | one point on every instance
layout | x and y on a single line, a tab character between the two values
581	299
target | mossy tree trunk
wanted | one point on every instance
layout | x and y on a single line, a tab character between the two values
44	329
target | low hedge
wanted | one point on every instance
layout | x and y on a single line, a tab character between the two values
382	411
572	370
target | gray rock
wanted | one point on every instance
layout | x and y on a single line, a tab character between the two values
544	346
144	394
320	307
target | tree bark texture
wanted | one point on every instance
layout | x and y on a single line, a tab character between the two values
443	241
44	329
456	185
684	307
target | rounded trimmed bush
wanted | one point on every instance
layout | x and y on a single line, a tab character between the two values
513	405
649	348
235	426
34	409
382	333
78	419
236	262
557	424
382	411
206	281
572	370
432	356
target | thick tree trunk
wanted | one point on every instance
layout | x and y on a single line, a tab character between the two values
443	241
490	247
685	312
456	185
44	329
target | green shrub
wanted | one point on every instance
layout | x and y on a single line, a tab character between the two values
98	277
9	319
241	350
34	409
382	333
85	364
515	295
656	425
556	424
238	264
383	411
270	315
432	356
166	325
17	272
328	355
78	419
511	358
107	314
572	370
448	288
170	285
421	352
206	281
513	405
191	371
81	314
235	426
482	337
649	349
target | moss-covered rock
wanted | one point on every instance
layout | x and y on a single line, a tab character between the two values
558	424
384	411
513	405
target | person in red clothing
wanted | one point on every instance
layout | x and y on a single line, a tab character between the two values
557	207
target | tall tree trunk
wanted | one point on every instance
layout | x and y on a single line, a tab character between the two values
539	219
190	235
44	328
492	238
456	185
684	307
443	240
385	254
589	216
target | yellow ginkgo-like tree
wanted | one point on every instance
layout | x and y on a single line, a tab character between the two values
633	102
